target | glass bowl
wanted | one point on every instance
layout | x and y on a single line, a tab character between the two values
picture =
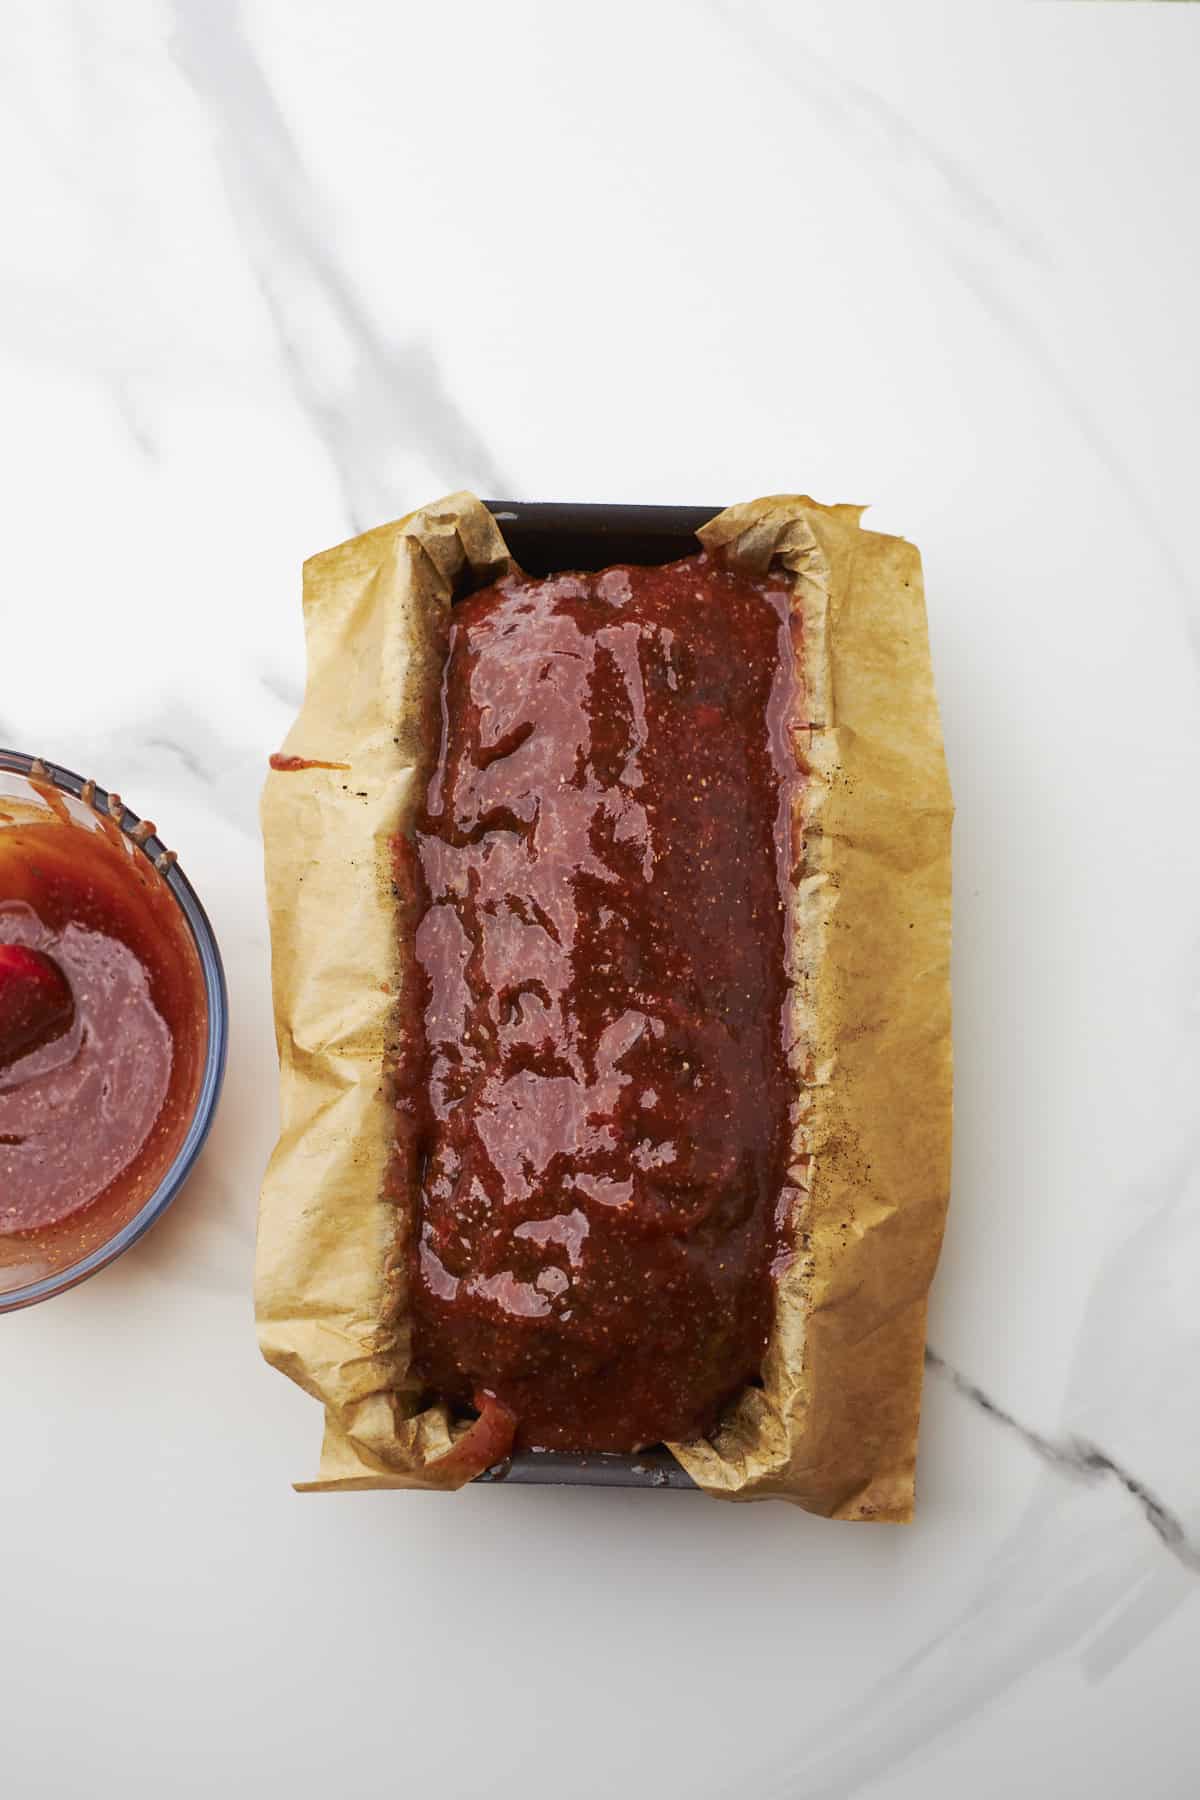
37	1265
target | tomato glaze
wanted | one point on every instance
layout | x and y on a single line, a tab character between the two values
600	1102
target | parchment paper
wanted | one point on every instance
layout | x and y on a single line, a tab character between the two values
834	1425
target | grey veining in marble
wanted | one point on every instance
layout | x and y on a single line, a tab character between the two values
1076	1456
939	198
380	407
275	271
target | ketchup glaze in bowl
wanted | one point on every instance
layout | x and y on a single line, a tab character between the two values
114	1010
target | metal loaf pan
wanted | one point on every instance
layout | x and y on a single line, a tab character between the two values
544	537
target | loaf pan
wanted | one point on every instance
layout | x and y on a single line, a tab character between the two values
545	536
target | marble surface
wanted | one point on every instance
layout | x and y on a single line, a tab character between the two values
276	271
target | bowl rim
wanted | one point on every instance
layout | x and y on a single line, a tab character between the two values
110	805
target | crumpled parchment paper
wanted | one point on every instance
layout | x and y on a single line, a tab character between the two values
834	1425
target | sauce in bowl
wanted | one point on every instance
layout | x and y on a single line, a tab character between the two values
103	1030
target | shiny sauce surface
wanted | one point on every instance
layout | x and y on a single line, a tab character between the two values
601	1102
95	1097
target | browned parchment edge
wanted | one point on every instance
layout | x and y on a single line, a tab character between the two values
834	1425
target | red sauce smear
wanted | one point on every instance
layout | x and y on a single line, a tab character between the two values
287	765
102	1027
484	1443
597	1103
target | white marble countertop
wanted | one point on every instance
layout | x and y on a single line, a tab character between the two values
276	271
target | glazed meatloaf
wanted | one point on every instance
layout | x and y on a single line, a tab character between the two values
601	1094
